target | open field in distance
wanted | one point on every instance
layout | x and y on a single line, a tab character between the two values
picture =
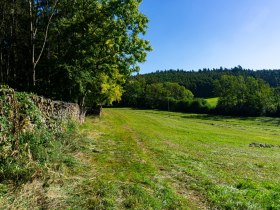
212	101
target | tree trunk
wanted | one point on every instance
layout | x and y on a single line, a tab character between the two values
33	32
81	103
32	43
100	111
1	66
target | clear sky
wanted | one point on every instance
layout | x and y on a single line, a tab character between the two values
196	34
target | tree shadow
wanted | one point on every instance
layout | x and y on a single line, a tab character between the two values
270	120
213	117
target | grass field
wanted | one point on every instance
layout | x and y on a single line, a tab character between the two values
212	101
141	159
161	160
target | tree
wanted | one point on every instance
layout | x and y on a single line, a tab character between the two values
41	13
100	47
244	96
13	42
174	91
159	95
23	36
134	93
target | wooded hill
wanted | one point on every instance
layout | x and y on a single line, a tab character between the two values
200	82
241	92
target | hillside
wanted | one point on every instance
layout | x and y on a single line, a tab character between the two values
201	82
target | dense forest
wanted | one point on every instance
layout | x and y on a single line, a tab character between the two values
80	51
200	82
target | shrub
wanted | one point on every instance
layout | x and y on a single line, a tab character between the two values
199	105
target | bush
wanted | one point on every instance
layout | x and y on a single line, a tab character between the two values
199	106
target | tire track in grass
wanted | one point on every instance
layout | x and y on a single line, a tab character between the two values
125	167
193	197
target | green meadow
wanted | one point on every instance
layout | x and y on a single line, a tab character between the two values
212	102
162	160
145	159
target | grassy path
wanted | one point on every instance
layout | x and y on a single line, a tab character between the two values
125	169
160	160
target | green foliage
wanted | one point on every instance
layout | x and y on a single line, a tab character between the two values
134	94
244	96
164	96
19	117
25	139
27	183
199	105
200	82
239	95
105	48
167	91
91	48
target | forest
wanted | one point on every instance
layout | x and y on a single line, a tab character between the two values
200	82
78	51
241	92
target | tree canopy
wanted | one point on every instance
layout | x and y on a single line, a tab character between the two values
201	82
240	95
168	96
79	50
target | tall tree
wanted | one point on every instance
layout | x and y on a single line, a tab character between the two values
101	47
80	50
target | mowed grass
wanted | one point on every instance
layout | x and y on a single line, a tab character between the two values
143	159
163	160
212	101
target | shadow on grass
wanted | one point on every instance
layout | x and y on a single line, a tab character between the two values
270	120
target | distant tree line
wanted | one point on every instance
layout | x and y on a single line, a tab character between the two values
239	93
79	51
246	96
168	96
201	82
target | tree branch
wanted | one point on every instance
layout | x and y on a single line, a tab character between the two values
46	35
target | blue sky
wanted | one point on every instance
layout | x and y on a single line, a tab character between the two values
196	34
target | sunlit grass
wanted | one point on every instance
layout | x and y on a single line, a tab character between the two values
143	159
212	101
198	158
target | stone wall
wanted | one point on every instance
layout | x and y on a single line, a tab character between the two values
58	110
21	110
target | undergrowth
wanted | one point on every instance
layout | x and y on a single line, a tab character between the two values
31	154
